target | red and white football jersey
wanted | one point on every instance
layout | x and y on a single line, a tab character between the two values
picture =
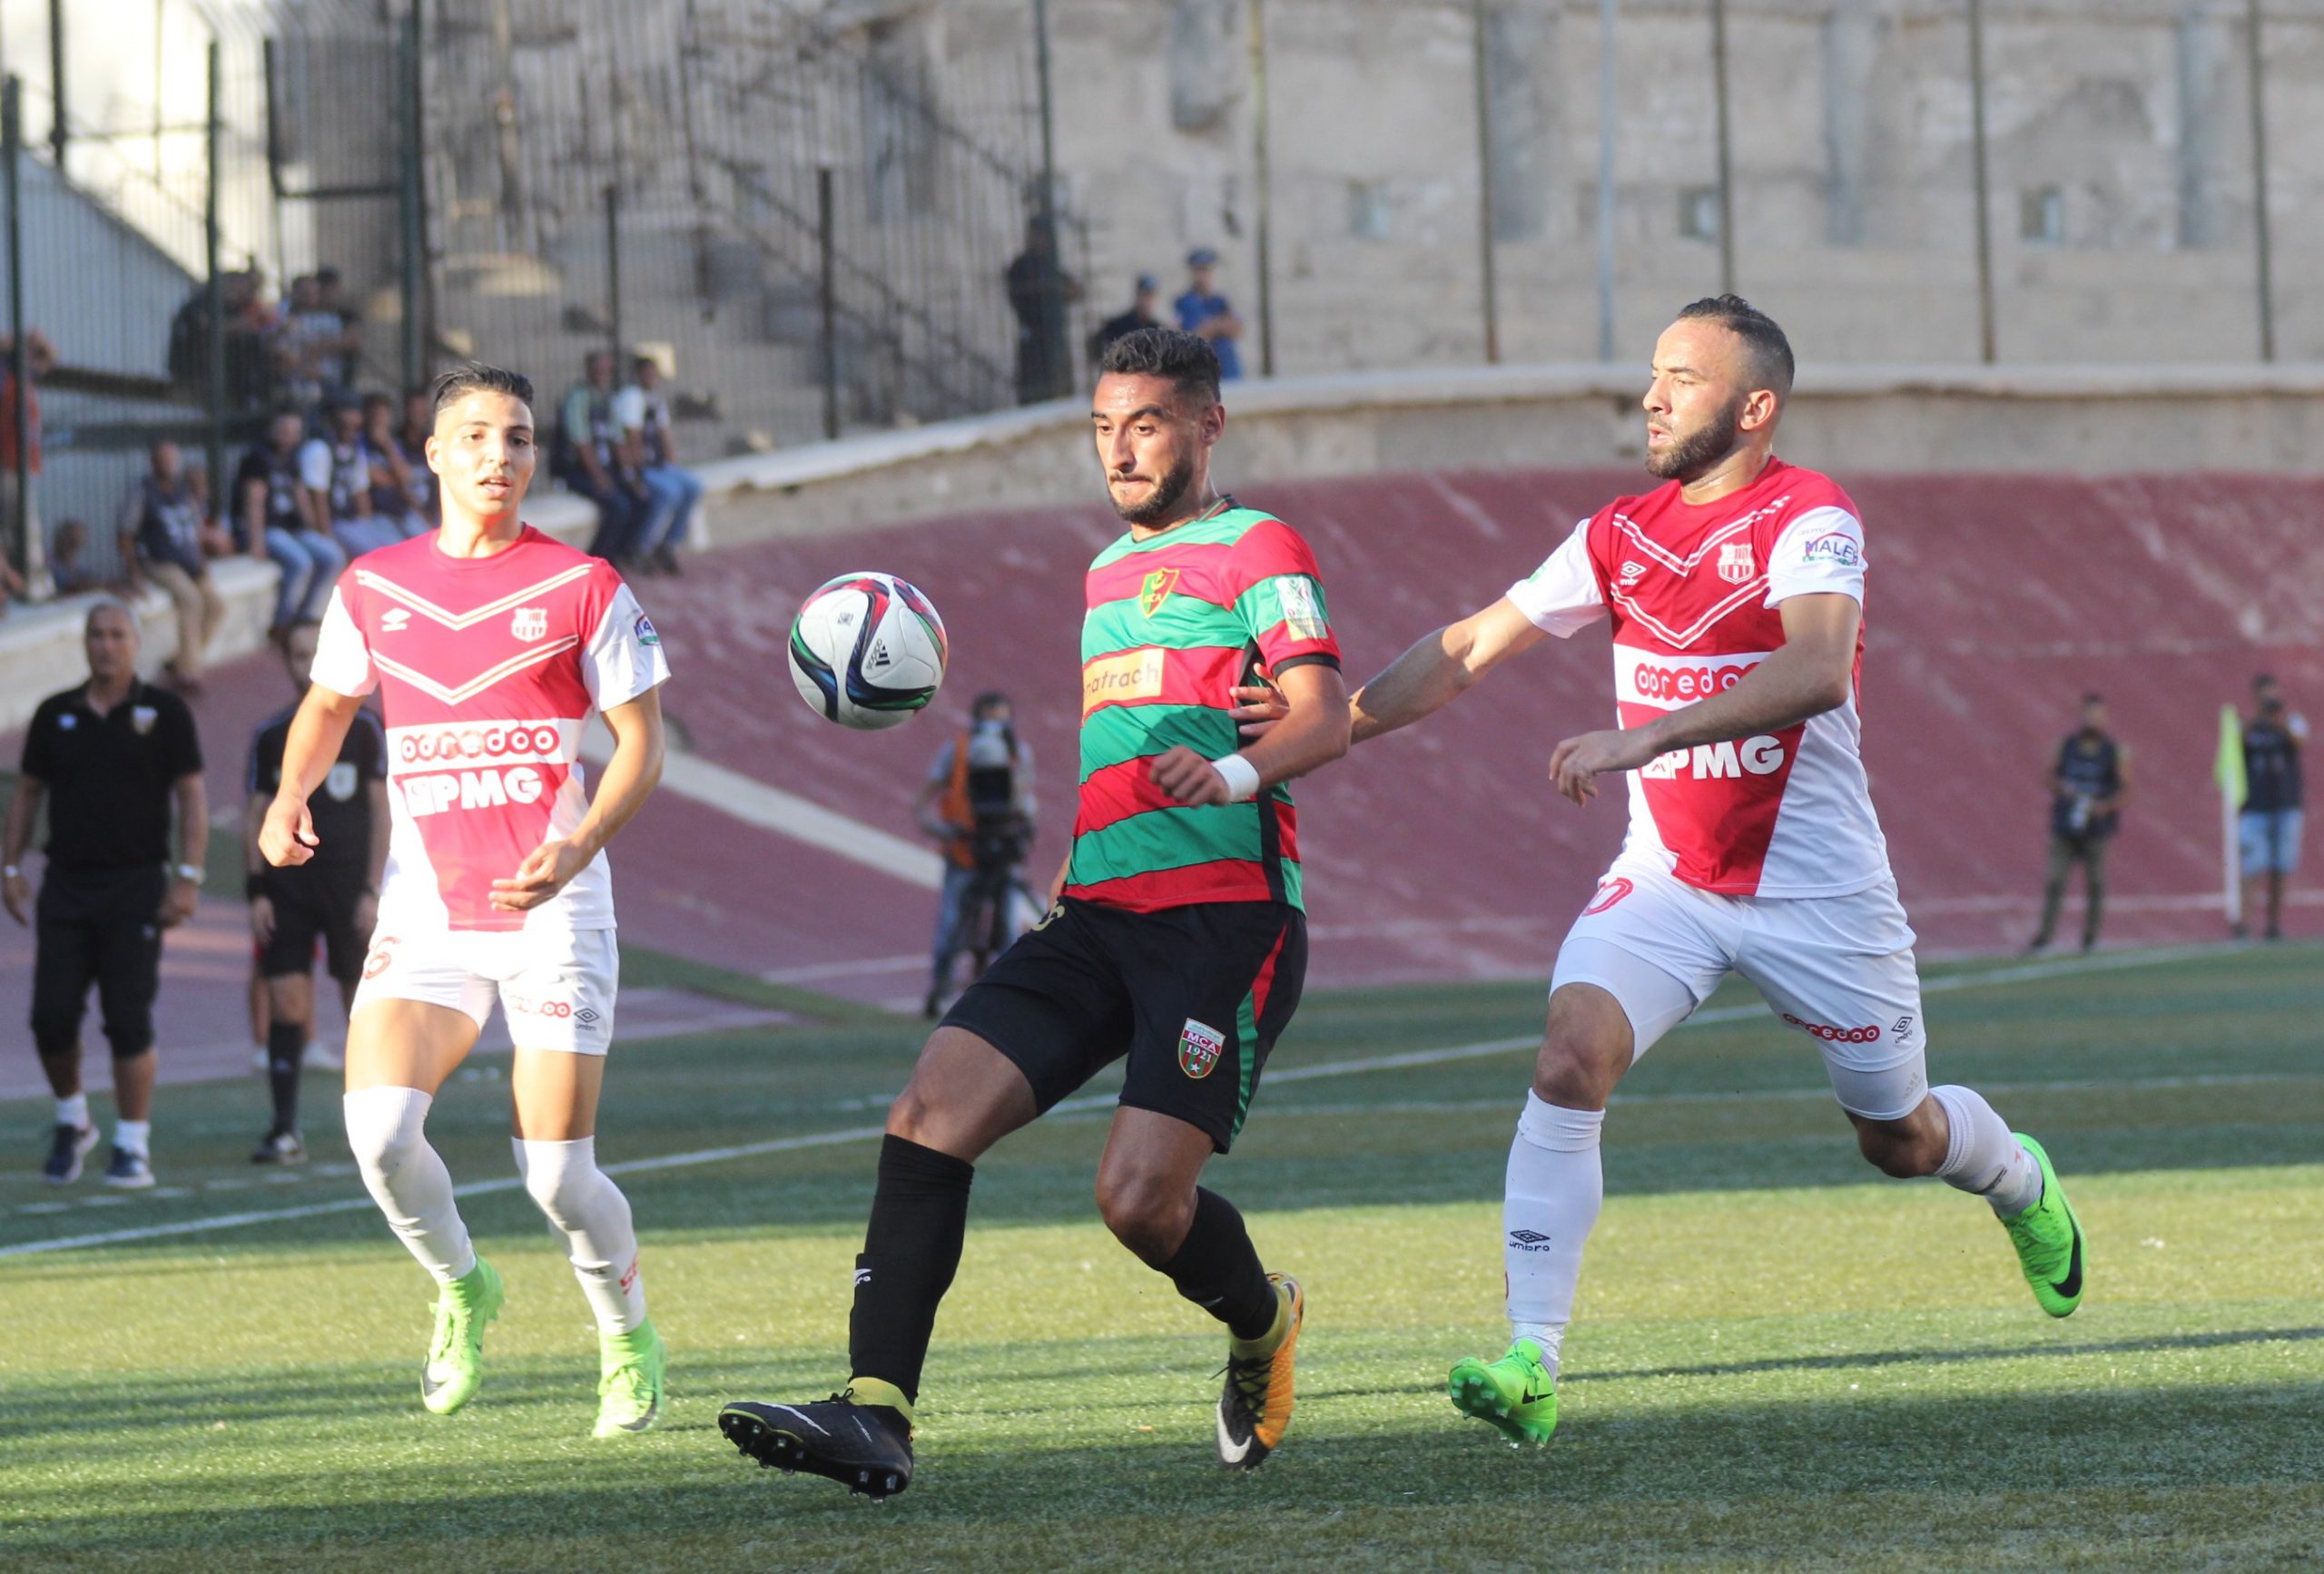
1693	592
489	670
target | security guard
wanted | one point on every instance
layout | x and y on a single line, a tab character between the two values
107	758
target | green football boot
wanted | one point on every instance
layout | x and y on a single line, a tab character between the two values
2048	1239
629	1394
1516	1394
456	1354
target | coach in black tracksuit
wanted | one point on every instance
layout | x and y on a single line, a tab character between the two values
107	758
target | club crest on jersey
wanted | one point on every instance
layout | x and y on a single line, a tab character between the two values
530	623
142	719
1735	565
1157	590
1200	1045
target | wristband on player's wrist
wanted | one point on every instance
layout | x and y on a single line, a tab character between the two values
12	872
1242	777
187	871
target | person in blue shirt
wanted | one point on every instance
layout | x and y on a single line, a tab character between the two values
1203	311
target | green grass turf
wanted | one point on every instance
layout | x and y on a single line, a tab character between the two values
1780	1359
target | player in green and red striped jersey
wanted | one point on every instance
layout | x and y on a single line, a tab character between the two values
1177	939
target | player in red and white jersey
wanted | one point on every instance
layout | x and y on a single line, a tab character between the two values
1735	591
492	646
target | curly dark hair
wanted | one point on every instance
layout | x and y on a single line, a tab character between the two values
474	377
1764	343
1186	358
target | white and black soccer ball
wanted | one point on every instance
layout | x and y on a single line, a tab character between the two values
868	651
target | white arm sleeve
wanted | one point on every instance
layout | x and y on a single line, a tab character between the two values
1821	553
1561	596
342	657
314	465
624	658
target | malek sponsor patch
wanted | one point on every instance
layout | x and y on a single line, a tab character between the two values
1134	674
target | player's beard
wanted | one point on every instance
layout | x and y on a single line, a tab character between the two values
1167	494
1697	452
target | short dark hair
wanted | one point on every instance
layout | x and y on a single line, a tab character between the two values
474	377
1764	344
2094	698
1186	358
986	703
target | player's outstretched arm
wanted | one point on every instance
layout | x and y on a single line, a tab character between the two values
628	780
1311	733
1425	678
1811	672
288	834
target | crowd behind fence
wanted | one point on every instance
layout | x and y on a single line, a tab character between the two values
813	223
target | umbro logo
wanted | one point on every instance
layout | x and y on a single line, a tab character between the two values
1528	1240
1633	572
586	1014
393	620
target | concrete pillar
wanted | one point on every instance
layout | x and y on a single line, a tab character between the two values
1853	37
2204	49
1521	155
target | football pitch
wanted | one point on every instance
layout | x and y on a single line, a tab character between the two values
1780	1357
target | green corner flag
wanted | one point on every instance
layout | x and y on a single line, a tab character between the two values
2229	771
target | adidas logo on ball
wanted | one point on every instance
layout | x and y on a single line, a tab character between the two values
868	651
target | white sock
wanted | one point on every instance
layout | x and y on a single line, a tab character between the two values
1982	1156
1555	1189
131	1135
588	1209
74	1111
386	1128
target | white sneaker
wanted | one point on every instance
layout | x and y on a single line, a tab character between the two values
321	1057
258	1060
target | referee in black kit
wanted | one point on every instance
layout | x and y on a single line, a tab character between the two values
107	758
333	896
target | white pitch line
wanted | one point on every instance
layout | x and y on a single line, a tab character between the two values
2016	973
754	802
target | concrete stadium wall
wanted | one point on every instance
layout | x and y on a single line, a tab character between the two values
2059	421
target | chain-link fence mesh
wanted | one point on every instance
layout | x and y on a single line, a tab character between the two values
812	212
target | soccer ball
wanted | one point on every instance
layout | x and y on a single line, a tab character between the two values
867	651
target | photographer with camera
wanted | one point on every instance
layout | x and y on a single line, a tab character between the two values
2086	787
977	802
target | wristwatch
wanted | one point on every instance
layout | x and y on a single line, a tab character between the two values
191	872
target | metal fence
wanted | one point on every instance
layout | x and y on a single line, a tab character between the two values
811	210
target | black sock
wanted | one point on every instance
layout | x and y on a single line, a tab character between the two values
285	1042
1218	1269
911	1249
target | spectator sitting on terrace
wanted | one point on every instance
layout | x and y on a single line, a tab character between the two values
336	471
588	458
69	566
166	536
399	489
248	329
342	354
272	520
411	438
672	493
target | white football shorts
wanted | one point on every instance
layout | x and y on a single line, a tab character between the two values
1838	969
557	988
